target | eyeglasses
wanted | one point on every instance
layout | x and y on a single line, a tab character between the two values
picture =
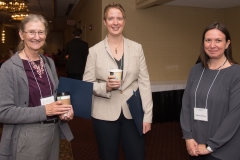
33	33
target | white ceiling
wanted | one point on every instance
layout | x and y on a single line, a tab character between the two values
206	3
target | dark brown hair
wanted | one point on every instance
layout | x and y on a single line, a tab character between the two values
114	5
228	52
77	32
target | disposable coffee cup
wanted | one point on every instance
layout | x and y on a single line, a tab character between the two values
65	98
117	73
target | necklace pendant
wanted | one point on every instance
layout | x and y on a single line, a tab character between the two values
116	50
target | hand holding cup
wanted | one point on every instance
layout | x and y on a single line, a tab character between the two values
64	97
56	108
114	80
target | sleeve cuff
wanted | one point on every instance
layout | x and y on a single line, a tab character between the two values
108	94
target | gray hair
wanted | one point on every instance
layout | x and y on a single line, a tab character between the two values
31	18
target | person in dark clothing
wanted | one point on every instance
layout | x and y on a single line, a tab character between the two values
76	52
59	53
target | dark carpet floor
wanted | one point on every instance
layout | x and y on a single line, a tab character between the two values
163	142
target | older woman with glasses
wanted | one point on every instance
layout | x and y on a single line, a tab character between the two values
112	120
28	110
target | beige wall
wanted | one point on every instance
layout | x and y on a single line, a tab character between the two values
170	35
89	14
233	23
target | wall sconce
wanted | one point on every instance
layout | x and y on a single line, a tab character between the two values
3	36
90	27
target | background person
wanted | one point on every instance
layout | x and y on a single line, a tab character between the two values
76	52
112	120
11	52
4	57
211	102
28	86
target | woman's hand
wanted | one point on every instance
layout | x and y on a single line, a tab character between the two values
57	108
192	147
146	127
202	150
112	83
67	116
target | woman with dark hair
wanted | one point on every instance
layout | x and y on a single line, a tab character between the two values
211	103
28	110
204	57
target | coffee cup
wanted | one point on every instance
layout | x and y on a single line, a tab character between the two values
64	97
117	73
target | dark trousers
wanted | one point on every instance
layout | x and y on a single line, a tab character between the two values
204	157
109	134
75	76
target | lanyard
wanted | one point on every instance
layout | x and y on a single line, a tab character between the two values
210	86
36	78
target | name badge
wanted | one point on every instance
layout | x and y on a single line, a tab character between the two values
47	100
201	114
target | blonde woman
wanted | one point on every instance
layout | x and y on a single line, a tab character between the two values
112	120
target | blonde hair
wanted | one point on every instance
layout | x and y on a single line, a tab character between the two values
31	18
114	5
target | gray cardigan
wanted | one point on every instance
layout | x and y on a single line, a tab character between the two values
14	110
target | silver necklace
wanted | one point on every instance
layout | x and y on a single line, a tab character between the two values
115	48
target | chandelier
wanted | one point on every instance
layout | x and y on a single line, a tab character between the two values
17	8
3	5
19	15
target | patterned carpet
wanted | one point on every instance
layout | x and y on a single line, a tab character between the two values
65	150
163	142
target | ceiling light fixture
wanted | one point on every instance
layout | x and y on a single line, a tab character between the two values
3	5
16	5
18	16
3	36
12	5
17	8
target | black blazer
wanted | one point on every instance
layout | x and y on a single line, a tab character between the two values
77	51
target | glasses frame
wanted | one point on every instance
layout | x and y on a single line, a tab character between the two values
33	33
